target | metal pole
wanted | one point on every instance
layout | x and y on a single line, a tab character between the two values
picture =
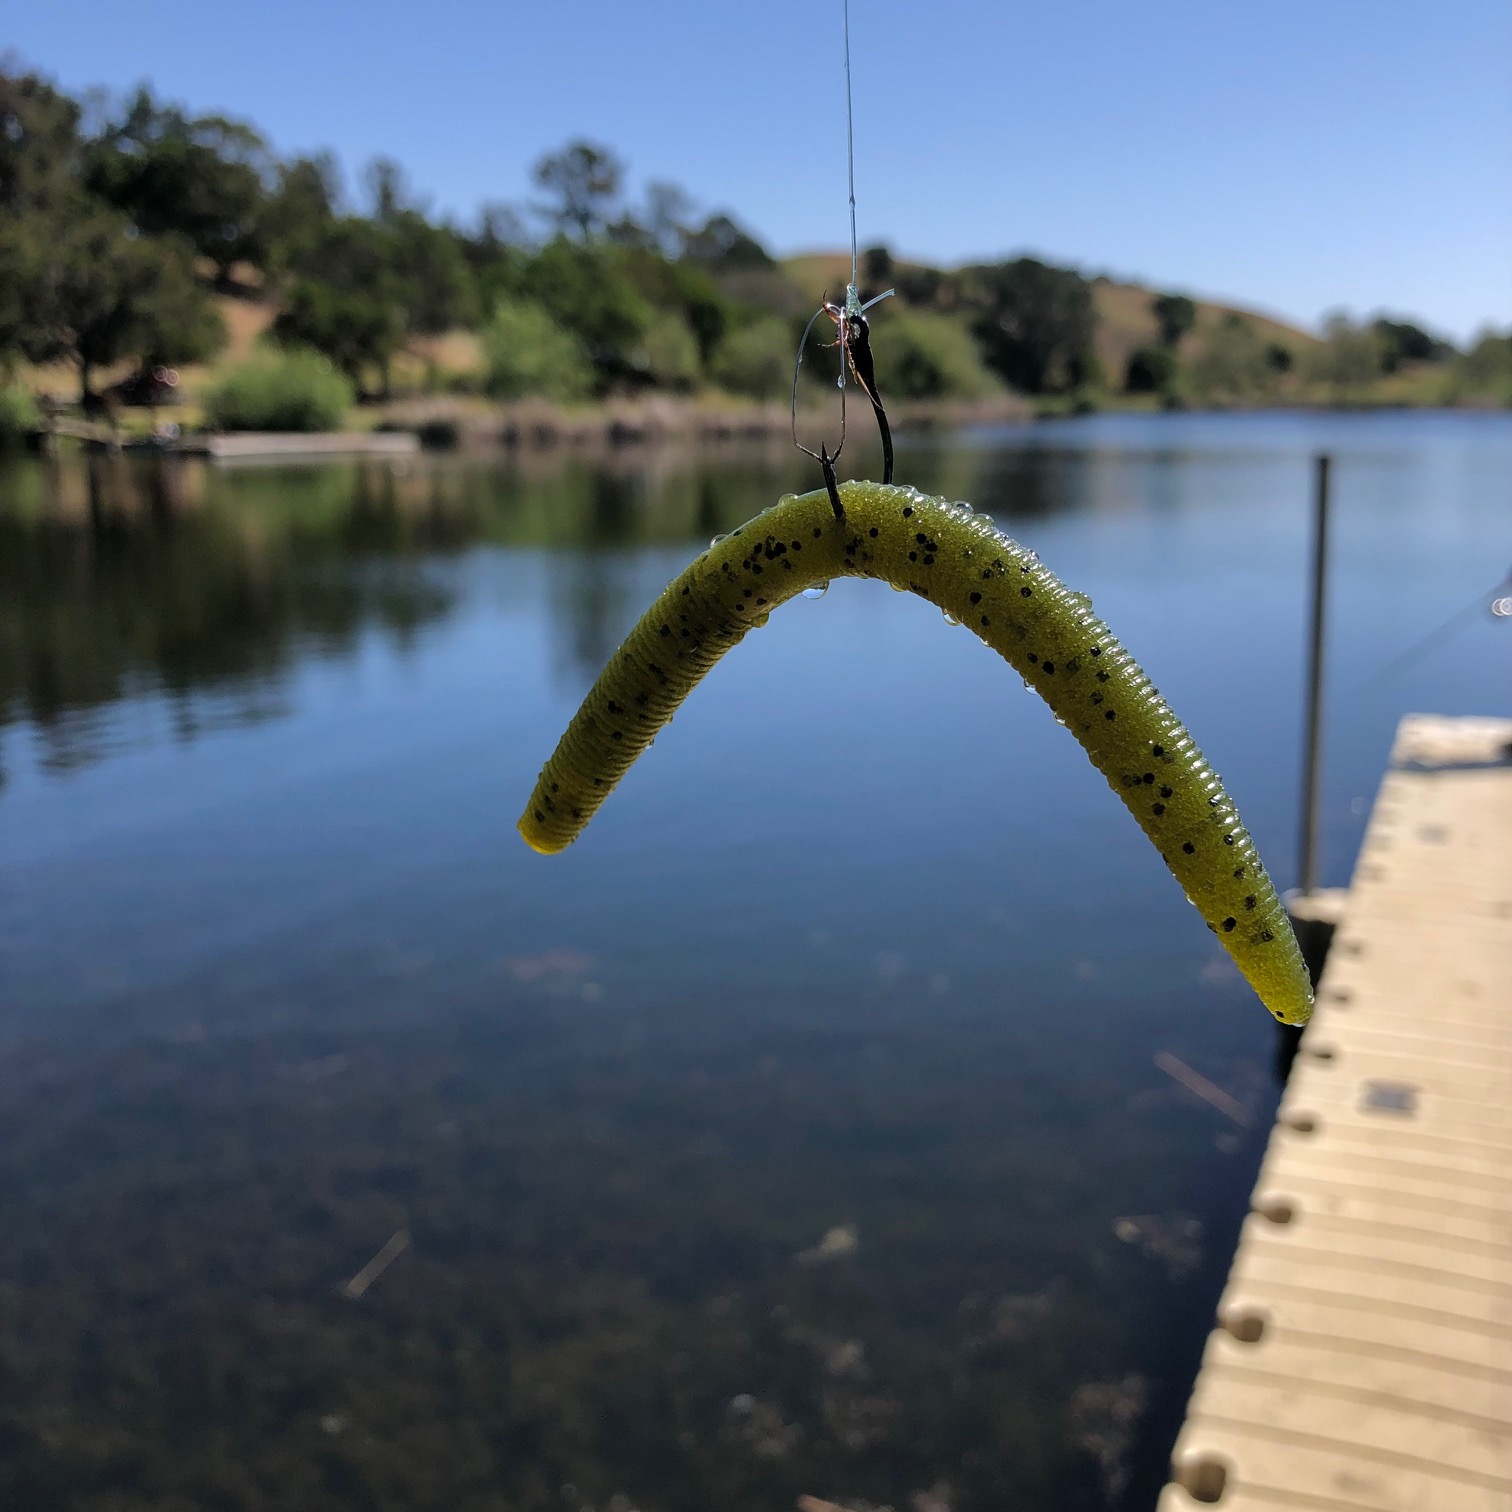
1307	878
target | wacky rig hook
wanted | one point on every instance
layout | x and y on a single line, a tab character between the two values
853	332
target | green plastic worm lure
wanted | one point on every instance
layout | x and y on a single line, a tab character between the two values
963	564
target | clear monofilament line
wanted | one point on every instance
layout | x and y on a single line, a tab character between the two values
851	295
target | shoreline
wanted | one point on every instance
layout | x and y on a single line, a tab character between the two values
450	423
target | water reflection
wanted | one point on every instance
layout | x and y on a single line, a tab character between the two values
122	577
827	1141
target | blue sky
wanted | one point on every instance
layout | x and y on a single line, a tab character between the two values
1294	156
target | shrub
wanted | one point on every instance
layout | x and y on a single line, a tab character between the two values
1232	364
920	355
1151	370
668	352
1485	371
757	359
1348	358
18	413
280	391
529	353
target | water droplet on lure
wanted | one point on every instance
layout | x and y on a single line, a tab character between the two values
948	617
964	507
1081	600
723	536
817	591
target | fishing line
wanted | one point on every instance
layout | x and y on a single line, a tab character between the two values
853	332
1490	600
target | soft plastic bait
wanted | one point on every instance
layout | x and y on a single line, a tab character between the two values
963	564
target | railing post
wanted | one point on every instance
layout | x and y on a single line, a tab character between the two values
1312	747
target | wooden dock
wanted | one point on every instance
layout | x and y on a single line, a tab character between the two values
279	446
1363	1358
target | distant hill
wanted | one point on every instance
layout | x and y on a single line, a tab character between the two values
1125	323
1124	319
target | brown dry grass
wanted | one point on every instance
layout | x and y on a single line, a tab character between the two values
1124	320
1125	323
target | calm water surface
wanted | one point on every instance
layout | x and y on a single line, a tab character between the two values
799	1129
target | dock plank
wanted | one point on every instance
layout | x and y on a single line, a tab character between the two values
1363	1361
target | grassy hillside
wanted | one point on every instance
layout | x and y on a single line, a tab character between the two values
1125	323
1124	320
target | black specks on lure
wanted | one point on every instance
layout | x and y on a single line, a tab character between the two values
1002	593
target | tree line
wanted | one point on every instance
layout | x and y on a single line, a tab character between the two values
119	222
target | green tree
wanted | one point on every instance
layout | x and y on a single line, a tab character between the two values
430	275
1034	322
1402	342
301	210
205	178
1176	315
40	146
345	301
923	355
666	217
724	245
668	352
1151	370
1279	359
1348	358
584	181
93	294
40	151
756	359
587	290
1231	365
1485	371
530	354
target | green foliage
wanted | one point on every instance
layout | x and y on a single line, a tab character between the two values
1176	315
1232	364
920	355
1348	358
1402	342
18	413
1279	359
1151	370
76	282
1034	322
756	360
355	329
301	210
93	294
350	308
588	289
203	178
723	244
530	354
1485	371
427	266
668	353
103	226
281	391
39	145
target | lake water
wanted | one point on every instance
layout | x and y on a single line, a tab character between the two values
799	1129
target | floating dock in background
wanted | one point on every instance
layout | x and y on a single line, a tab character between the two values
292	446
1363	1358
